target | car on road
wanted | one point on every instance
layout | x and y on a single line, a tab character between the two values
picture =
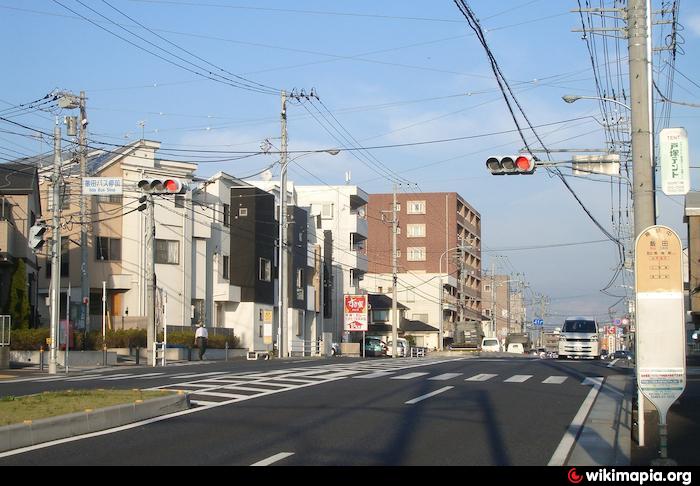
490	345
516	348
401	347
622	354
374	346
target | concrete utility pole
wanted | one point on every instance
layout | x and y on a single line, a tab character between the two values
84	279
493	299
55	247
150	273
282	259
394	306
642	136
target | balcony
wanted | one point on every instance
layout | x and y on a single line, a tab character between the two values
7	240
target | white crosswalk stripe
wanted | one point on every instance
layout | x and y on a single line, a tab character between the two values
555	380
376	374
518	379
445	376
408	376
481	377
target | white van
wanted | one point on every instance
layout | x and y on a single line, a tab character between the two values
490	345
516	348
579	338
401	347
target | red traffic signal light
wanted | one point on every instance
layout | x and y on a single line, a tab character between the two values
511	164
163	186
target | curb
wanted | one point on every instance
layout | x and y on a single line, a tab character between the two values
34	432
606	437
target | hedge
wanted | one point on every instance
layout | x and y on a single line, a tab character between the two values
34	339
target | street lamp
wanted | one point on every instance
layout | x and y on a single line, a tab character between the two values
573	98
282	258
440	292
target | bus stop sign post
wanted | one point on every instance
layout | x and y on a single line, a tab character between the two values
660	336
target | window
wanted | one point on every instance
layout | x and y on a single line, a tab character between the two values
415	207
264	270
65	259
487	312
380	315
168	251
415	230
398	253
226	267
242	212
227	215
487	288
327	211
420	317
108	248
109	198
416	254
300	284
198	311
398	207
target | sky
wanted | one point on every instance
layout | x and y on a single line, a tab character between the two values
407	79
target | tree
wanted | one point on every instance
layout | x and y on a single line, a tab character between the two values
18	306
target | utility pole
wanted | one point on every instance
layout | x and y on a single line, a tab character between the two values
55	247
84	279
394	306
151	274
640	103
493	299
282	260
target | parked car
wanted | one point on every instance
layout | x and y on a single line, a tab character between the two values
401	347
374	346
515	348
490	345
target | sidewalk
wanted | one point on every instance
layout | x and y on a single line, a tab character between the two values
606	437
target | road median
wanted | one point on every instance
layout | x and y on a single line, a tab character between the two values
36	431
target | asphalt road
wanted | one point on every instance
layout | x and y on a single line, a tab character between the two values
435	411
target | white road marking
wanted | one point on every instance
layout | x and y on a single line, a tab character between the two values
555	380
273	459
445	376
376	374
197	375
85	378
567	442
481	377
432	394
409	376
612	363
518	379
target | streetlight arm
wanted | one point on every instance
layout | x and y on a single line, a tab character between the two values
573	98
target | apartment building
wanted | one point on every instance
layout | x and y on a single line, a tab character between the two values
116	240
342	232
19	209
438	257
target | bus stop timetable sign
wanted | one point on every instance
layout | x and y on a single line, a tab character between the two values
660	336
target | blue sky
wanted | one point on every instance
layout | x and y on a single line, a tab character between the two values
391	72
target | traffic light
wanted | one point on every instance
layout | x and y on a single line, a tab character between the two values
36	235
142	203
511	164
163	186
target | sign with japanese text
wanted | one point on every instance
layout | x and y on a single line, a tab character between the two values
355	310
102	186
675	161
660	323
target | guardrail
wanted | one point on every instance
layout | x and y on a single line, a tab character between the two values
306	348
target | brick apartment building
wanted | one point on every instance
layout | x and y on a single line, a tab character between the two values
439	239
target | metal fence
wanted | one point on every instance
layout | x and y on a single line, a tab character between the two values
5	327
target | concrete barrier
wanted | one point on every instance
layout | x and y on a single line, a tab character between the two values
75	358
34	432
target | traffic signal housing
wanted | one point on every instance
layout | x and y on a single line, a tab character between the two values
163	186
36	235
142	203
511	164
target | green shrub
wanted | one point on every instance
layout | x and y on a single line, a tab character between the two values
29	339
214	342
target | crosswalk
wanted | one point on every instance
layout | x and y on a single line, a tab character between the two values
220	387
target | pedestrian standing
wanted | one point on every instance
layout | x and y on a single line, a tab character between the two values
200	339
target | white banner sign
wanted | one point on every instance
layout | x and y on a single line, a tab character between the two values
102	186
675	161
